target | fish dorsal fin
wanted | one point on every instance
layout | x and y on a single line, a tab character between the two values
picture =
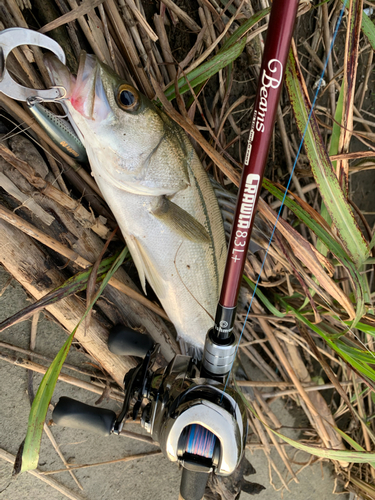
146	268
180	221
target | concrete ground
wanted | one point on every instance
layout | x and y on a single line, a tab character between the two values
151	477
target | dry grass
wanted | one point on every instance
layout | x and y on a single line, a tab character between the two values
216	115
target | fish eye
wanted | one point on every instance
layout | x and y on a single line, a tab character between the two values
127	97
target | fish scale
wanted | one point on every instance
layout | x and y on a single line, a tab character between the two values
156	187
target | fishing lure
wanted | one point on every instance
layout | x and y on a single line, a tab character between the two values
58	129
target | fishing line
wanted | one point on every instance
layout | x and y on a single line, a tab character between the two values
16	125
200	441
288	185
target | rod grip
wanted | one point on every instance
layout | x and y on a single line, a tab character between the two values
76	415
193	484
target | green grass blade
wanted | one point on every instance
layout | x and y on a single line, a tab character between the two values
353	357
231	49
75	284
207	69
363	357
38	412
356	456
328	184
368	27
264	299
321	232
359	354
349	440
328	239
333	150
363	327
245	27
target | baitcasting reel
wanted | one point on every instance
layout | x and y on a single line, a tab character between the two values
197	423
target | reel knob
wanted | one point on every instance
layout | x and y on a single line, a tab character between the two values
76	415
125	341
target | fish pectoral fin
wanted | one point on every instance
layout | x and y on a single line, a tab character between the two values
133	245
146	269
180	221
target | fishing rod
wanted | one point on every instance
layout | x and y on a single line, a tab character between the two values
279	34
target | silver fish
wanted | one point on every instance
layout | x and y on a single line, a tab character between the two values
156	187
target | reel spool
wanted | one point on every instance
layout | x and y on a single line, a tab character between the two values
196	441
199	450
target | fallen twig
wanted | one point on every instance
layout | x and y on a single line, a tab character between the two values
94	387
8	457
55	245
86	466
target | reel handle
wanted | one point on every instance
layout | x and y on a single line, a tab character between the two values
76	415
125	341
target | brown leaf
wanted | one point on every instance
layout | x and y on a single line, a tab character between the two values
288	256
229	488
105	396
18	461
328	370
309	256
350	75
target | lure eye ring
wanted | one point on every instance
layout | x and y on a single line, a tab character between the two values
127	97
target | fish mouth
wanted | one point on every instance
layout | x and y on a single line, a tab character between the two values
85	91
59	73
